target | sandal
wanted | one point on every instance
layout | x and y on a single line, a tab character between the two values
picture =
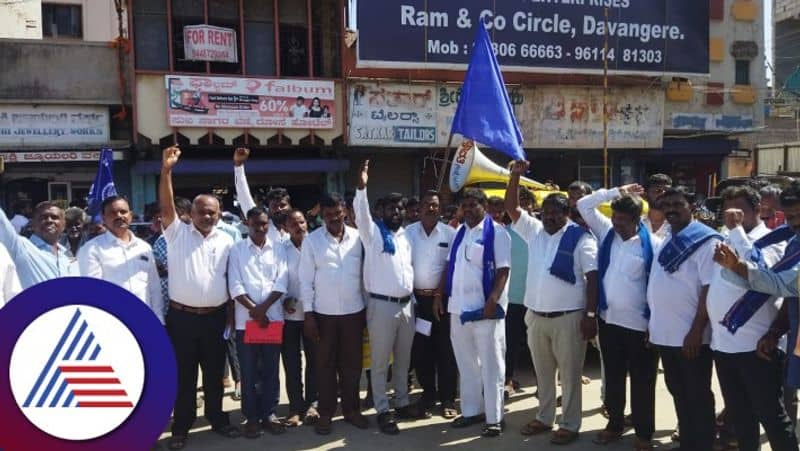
606	436
228	431
493	430
563	437
177	442
463	422
449	411
535	427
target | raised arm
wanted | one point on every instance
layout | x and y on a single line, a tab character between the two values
13	241
512	191
366	228
243	195
169	159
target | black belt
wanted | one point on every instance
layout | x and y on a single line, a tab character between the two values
381	297
554	314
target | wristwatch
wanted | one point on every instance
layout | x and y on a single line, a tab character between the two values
591	315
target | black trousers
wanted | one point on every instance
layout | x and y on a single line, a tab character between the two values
232	359
753	391
293	344
516	337
689	383
339	357
625	352
197	340
434	361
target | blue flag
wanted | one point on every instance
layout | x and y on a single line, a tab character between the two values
484	112
103	186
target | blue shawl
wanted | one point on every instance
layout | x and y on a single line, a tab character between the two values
388	239
604	260
488	257
746	306
683	244
563	265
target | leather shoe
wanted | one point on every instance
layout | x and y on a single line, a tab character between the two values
387	423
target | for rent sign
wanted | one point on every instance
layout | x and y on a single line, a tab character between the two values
209	43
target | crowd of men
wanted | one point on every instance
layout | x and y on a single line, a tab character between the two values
455	300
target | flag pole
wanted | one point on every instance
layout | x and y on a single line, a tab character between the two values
605	100
446	160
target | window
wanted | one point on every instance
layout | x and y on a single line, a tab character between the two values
184	13
225	13
259	37
742	72
62	21
150	34
293	38
327	38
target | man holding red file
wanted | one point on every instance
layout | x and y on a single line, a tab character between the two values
257	279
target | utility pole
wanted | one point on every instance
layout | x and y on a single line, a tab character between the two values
605	100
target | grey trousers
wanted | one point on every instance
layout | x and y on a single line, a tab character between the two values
557	344
391	334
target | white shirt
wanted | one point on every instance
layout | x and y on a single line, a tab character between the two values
9	282
293	289
384	274
722	294
330	273
197	265
625	281
130	265
299	111
429	253
19	222
467	290
673	298
257	272
246	203
545	292
663	232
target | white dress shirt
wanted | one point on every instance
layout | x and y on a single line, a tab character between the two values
722	294
293	289
197	265
662	233
625	281
19	222
545	292
257	271
467	291
673	298
429	253
330	273
131	265
384	274
9	282
246	203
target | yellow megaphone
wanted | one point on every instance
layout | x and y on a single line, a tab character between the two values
471	166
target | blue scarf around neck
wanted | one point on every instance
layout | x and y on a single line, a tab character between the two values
563	265
683	244
386	235
488	257
604	260
747	305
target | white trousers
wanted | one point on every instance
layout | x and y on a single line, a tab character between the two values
480	350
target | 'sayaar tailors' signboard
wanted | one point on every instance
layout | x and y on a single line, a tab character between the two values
644	36
229	102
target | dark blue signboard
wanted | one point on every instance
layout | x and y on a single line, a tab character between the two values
644	36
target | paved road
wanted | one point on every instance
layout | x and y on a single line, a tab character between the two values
437	433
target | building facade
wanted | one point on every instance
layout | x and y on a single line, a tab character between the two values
785	39
61	99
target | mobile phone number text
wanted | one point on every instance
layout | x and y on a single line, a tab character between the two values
580	53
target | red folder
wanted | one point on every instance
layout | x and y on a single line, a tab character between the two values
270	335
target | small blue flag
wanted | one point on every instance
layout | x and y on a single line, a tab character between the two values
484	111
103	186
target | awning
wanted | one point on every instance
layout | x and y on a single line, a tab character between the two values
253	166
697	146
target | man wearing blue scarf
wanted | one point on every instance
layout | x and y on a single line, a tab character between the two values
676	294
389	282
475	286
624	261
750	385
561	298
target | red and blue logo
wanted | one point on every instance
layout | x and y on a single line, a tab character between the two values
89	367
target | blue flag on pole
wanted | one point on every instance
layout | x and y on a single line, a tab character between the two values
484	111
103	186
